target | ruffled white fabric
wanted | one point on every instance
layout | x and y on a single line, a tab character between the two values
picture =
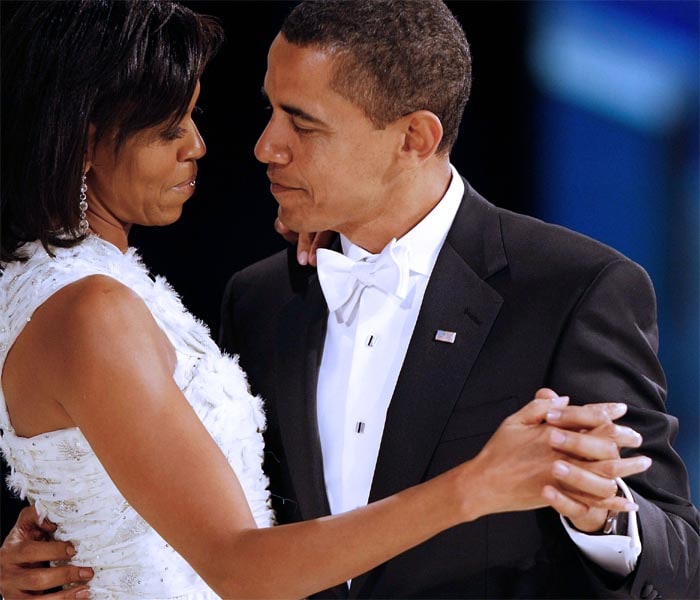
59	472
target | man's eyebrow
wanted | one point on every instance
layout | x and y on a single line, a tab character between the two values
296	112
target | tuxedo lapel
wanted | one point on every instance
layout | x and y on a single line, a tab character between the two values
434	373
300	343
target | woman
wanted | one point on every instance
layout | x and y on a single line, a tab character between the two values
122	421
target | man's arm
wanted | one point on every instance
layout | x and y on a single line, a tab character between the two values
608	352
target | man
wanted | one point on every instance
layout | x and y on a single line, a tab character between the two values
458	312
440	318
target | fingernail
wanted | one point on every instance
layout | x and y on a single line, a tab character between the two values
554	415
645	462
631	507
617	410
560	469
312	259
620	430
303	258
85	573
560	401
557	437
82	594
70	551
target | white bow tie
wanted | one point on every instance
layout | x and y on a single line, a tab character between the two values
343	280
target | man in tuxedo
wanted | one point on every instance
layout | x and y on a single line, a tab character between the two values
433	317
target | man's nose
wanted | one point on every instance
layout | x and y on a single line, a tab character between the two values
271	147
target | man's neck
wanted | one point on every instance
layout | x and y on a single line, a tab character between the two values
415	200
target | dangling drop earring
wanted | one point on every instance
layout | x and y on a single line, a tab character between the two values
83	225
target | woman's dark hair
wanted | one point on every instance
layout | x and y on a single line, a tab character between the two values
392	57
118	65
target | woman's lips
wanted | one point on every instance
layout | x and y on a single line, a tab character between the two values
186	186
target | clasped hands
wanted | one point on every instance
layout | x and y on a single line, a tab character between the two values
551	453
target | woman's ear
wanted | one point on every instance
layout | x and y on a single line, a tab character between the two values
422	135
90	149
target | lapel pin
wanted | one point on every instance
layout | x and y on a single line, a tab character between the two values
445	336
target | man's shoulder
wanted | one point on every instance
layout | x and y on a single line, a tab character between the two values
267	267
533	241
523	235
537	259
529	244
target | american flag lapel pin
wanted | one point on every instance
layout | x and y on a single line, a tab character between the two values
445	336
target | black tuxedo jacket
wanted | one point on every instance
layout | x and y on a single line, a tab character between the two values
532	305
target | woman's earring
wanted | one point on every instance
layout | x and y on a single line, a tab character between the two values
84	225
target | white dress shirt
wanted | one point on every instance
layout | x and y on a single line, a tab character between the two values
360	366
362	359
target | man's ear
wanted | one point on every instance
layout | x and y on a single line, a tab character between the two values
90	149
422	133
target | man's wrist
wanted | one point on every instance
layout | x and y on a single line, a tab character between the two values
616	521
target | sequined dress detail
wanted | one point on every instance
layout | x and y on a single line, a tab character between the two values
59	472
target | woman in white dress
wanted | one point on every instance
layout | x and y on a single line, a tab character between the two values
121	420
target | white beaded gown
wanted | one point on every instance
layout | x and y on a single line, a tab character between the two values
59	472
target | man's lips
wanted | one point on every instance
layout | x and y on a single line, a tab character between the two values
279	186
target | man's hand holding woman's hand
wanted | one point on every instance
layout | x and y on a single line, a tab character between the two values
591	442
550	453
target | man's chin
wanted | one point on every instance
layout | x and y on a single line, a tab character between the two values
292	222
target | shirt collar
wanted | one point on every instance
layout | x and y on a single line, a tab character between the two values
425	239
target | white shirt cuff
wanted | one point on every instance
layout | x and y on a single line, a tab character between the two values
615	553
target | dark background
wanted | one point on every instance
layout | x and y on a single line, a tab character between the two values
511	149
